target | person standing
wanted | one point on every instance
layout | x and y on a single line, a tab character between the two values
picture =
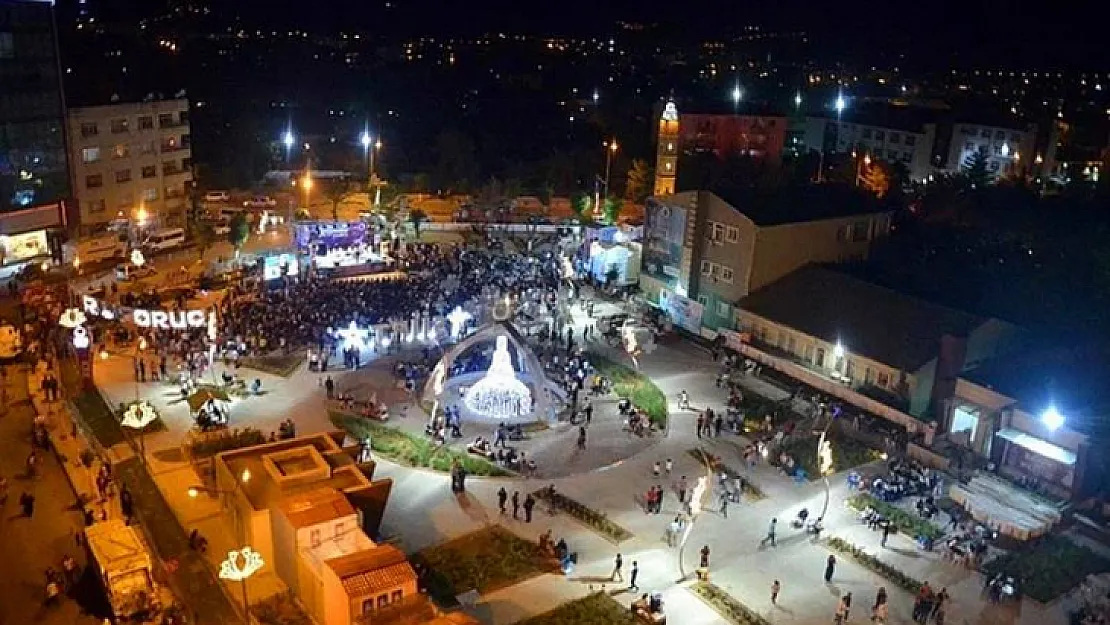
529	503
701	423
830	567
581	437
516	504
880	599
655	469
724	505
776	587
770	537
618	562
669	466
682	489
329	386
939	600
27	503
886	533
502	499
704	561
842	608
633	574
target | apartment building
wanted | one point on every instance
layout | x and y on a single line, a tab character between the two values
1009	151
891	138
703	250
132	164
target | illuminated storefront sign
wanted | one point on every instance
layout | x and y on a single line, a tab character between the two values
153	319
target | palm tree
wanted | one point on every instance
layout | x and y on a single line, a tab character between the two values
416	218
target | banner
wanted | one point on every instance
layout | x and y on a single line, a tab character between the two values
683	311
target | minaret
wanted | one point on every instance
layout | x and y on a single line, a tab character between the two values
666	156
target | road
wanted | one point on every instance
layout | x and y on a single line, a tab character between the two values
29	546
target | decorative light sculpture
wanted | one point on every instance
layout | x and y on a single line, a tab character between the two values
352	335
233	570
499	394
137	416
71	318
137	258
458	318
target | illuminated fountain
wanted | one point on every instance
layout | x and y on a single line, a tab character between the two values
499	394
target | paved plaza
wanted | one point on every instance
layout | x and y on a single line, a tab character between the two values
611	475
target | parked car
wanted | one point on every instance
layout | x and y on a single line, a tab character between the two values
221	227
126	272
217	196
260	202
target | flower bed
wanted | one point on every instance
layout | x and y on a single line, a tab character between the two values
404	448
847	453
225	440
589	517
485	560
714	462
1049	568
598	607
874	564
905	522
631	385
726	605
280	609
283	366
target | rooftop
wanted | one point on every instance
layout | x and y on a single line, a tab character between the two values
800	203
1071	380
906	118
372	570
869	320
316	506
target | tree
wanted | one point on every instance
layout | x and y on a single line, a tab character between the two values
204	235
580	204
611	210
974	168
417	217
238	231
336	193
639	183
875	178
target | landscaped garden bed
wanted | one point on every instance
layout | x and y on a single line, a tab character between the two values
280	365
204	446
414	451
873	563
631	385
847	453
1049	568
726	605
486	560
280	609
597	608
751	491
597	521
905	522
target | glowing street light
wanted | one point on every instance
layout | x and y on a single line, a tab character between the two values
137	258
737	94
798	99
840	104
1052	418
137	416
239	566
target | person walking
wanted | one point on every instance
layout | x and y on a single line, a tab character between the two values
704	561
516	504
618	562
529	503
633	574
886	533
776	587
724	505
700	423
27	503
655	469
842	609
581	437
684	403
502	499
682	489
830	567
880	599
939	600
672	532
770	537
329	386
669	466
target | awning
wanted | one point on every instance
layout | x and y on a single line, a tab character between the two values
205	394
1039	446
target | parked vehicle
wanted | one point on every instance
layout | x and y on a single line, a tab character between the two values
125	272
124	564
217	196
96	249
260	202
164	240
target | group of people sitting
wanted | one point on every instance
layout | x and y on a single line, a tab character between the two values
905	478
635	420
504	456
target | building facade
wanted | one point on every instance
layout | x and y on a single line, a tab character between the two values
666	154
702	253
910	145
753	136
1009	151
34	174
132	164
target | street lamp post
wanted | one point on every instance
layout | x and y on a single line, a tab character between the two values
825	465
840	104
238	567
611	149
139	415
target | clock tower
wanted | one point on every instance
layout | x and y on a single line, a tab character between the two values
666	156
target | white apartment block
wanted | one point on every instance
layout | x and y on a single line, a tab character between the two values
132	164
912	148
1008	150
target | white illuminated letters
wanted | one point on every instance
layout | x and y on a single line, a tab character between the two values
153	319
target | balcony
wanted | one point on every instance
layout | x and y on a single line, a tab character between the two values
173	149
174	171
170	125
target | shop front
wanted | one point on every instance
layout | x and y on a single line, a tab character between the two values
1038	451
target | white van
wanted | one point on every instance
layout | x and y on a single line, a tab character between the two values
96	249
164	240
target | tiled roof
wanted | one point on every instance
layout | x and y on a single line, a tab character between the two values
372	570
316	506
372	582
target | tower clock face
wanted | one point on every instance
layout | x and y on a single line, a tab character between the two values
670	112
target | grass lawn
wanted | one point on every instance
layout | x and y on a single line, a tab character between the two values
729	607
629	383
486	560
906	522
596	609
1049	568
847	453
410	450
283	366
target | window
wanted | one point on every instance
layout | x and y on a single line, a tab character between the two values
986	134
146	148
149	171
718	231
123	175
89	129
7	46
706	267
165	120
732	234
895	137
843	232
396	596
367	606
97	206
1015	138
969	146
339	530
722	309
868	376
120	125
879	134
703	300
383	601
149	195
146	122
121	151
791	344
314	538
94	181
907	157
866	133
859	231
993	166
997	150
892	155
90	155
1000	135
726	274
910	140
882	380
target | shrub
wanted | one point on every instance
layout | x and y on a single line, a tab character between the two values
1050	567
876	565
226	440
598	607
726	605
485	560
847	453
629	384
280	609
906	522
597	521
